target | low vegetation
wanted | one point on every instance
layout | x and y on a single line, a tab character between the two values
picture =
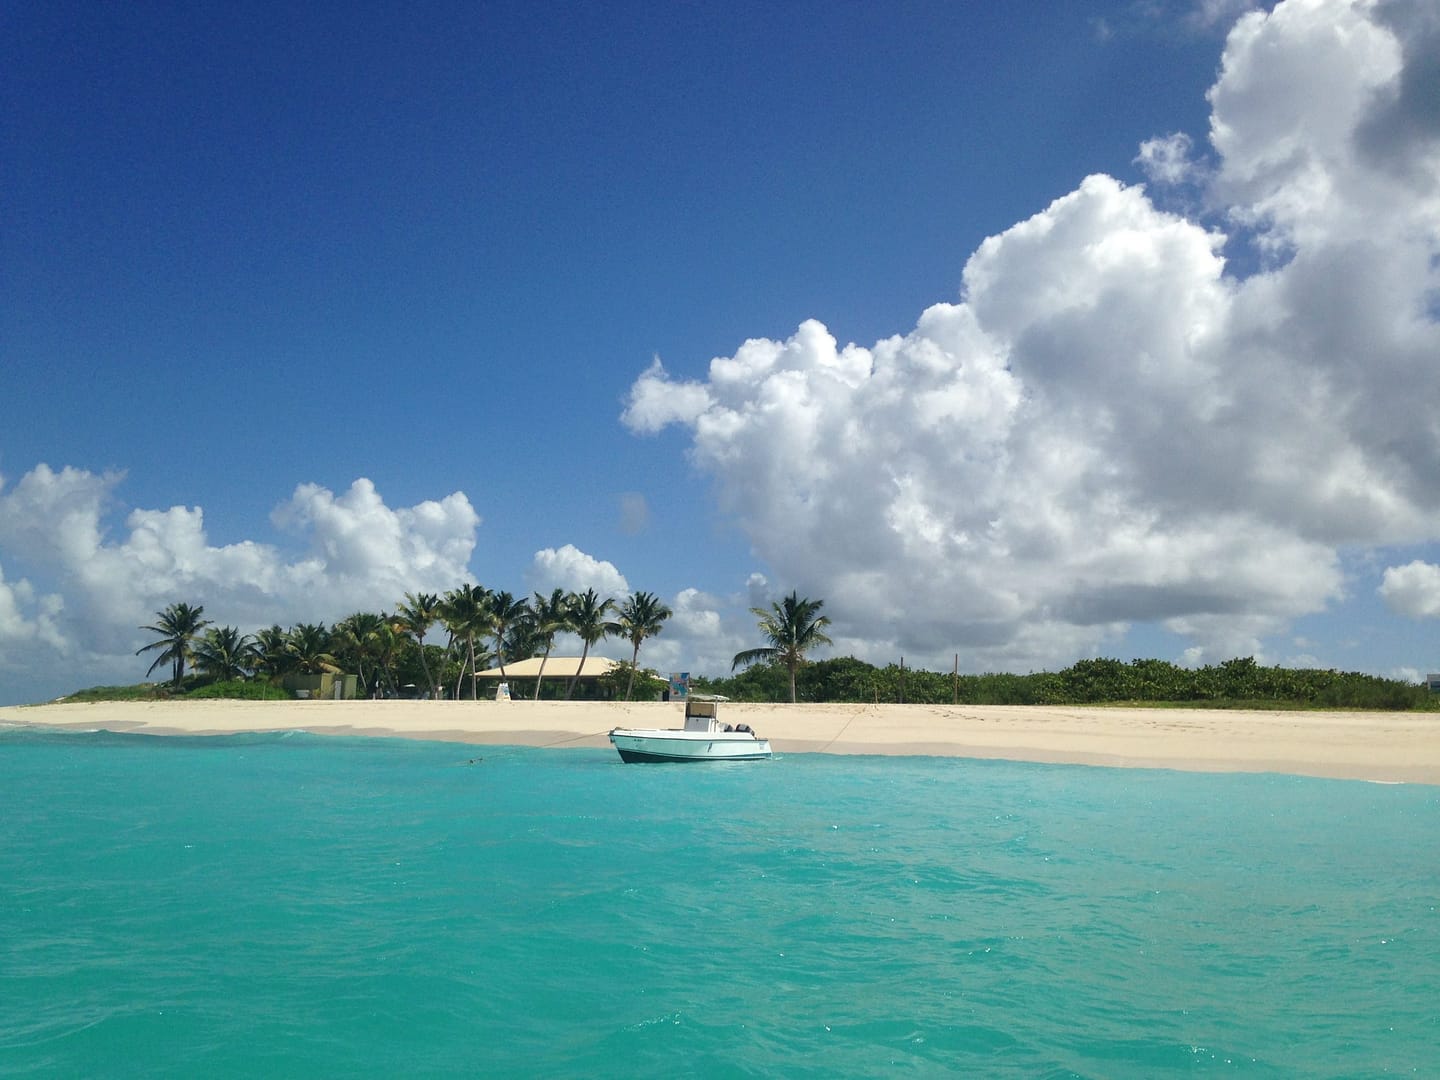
192	687
1234	684
138	692
240	688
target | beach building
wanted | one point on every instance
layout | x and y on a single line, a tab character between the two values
337	687
560	669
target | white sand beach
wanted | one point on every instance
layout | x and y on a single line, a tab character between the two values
1393	747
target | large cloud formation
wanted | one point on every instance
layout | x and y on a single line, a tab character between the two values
355	553
1110	426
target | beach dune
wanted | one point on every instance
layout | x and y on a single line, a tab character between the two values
1395	747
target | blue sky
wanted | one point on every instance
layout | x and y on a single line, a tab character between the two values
304	309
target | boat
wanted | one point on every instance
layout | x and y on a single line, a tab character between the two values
703	738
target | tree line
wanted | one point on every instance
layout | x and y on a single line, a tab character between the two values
1234	683
388	651
489	629
485	628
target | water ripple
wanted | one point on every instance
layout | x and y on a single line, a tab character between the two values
305	906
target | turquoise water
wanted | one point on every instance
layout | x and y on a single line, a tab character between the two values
308	906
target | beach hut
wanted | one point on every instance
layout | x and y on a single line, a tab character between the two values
559	670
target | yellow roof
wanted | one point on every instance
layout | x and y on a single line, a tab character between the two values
556	667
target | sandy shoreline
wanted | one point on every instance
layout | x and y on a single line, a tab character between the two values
1398	747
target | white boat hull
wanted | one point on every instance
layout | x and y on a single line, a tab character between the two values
659	745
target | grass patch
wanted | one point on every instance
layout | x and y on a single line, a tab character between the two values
236	689
138	692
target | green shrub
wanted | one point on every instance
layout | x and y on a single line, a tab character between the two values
647	686
1237	683
138	692
236	688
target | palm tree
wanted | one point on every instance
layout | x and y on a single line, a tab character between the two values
309	645
357	637
224	653
416	615
549	615
177	624
505	611
587	619
385	648
641	616
268	656
521	640
466	612
793	627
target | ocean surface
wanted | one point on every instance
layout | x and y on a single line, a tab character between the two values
308	906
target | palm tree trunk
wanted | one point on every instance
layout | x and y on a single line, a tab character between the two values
470	644
634	660
583	654
792	683
541	675
449	652
460	679
425	667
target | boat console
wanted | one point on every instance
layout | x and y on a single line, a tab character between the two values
701	715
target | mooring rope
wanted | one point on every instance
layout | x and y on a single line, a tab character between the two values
573	738
837	734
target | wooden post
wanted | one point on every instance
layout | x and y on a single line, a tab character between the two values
902	680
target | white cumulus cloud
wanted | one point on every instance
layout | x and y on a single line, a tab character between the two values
702	635
355	552
1412	590
363	548
1167	159
1108	428
573	570
28	619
